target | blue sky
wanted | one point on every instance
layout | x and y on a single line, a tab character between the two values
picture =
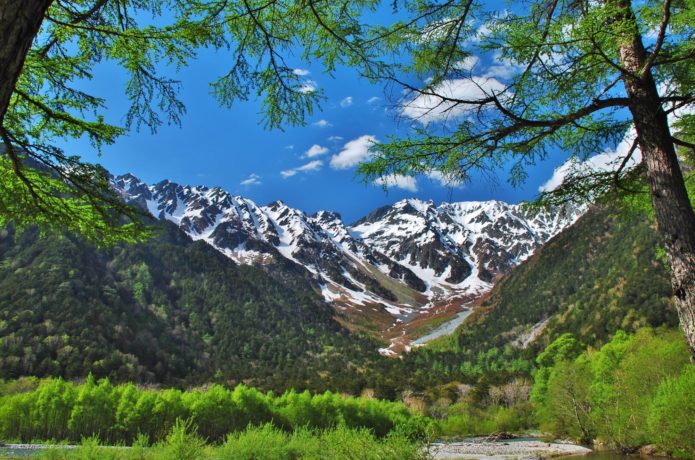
231	149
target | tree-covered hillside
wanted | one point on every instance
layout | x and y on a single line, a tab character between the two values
168	310
175	311
601	275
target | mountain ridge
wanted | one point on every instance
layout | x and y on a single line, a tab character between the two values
393	265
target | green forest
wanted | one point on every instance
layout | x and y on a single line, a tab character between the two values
68	309
125	317
634	391
626	384
169	311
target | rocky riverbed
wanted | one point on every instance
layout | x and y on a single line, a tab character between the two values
504	450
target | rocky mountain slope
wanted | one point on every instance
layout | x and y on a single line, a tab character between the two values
389	268
601	275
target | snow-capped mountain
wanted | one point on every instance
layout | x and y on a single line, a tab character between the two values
394	263
460	246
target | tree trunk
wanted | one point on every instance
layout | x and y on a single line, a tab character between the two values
19	23
674	215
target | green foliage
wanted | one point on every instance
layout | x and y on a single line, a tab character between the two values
631	392
268	442
265	442
564	348
182	443
560	89
91	413
148	39
38	197
432	366
627	377
672	413
469	420
180	421
90	449
563	408
68	309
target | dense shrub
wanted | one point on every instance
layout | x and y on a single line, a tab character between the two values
182	443
269	443
673	412
60	410
467	420
636	390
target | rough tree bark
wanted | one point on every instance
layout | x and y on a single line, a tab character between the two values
19	23
674	215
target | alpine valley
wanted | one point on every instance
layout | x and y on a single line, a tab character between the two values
226	293
391	274
146	317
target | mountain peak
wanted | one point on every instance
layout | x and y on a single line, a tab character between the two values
276	204
127	177
398	260
326	216
417	204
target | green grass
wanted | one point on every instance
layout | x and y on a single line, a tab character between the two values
266	442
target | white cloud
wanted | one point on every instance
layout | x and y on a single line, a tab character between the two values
335	138
444	180
427	108
609	160
468	63
322	123
316	150
301	72
504	68
289	147
311	166
354	152
309	86
398	181
347	102
253	179
483	33
373	100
